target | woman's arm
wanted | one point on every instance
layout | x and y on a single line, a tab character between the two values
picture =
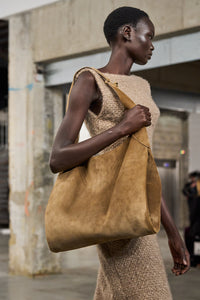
65	154
177	246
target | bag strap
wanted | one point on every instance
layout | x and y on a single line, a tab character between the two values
141	135
126	101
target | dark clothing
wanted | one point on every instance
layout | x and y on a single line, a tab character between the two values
193	204
192	233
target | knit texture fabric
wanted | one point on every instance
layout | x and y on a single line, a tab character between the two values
129	269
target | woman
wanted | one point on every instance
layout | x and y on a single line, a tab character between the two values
192	191
129	269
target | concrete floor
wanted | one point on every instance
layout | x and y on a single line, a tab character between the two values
79	283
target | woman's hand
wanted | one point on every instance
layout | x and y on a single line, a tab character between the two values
177	247
134	119
180	255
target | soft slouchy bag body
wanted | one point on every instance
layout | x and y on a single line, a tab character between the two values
111	196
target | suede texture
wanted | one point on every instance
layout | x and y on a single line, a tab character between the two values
112	196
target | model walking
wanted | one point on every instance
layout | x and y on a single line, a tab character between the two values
129	269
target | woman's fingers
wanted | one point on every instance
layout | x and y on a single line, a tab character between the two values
186	263
135	118
180	268
147	115
180	256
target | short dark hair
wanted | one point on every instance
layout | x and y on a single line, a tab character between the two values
194	174
121	16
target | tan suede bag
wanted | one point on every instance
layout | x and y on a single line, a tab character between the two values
111	196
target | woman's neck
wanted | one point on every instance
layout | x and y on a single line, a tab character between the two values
119	63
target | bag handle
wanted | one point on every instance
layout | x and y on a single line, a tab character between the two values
126	101
141	135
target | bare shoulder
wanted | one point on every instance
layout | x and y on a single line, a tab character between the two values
84	91
86	79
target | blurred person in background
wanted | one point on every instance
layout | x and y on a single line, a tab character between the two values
192	233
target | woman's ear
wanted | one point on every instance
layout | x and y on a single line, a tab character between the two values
126	31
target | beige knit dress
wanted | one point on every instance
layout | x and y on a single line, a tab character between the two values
129	269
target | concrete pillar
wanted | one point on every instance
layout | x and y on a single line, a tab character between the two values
31	128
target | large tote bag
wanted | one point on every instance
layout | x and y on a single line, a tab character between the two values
111	196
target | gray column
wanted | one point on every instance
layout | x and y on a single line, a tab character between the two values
31	127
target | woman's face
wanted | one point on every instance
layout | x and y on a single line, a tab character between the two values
140	47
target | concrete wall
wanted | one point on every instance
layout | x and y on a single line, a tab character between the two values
168	136
11	7
60	30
